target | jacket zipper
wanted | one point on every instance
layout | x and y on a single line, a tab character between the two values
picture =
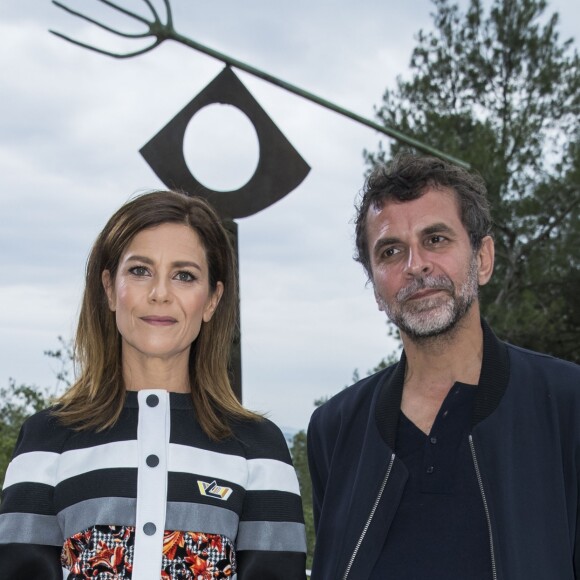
370	518
485	507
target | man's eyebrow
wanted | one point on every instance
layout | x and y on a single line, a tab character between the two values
438	228
382	242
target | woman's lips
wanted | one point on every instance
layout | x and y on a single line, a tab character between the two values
159	320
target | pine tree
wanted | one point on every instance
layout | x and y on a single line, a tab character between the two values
501	90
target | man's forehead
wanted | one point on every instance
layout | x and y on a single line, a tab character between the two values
432	191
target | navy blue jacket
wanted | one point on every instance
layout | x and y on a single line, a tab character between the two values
525	443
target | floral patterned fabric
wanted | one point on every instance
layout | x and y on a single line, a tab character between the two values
106	553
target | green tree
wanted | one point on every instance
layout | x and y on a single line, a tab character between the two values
501	90
19	401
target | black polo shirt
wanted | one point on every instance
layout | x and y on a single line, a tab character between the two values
440	529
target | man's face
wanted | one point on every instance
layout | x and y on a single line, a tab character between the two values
424	271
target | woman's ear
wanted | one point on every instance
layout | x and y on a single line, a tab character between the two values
108	285
213	302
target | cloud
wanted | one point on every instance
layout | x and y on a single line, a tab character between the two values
72	123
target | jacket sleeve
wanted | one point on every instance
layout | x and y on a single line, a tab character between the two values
271	541
577	540
30	536
577	548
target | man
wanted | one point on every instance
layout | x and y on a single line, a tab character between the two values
462	461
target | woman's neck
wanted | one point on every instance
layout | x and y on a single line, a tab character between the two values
143	372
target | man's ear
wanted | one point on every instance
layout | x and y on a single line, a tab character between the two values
109	289
213	302
485	260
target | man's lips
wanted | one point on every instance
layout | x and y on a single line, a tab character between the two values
159	320
425	293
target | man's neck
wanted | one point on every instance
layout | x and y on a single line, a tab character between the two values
434	365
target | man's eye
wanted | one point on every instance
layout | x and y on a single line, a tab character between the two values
390	252
185	276
139	271
436	239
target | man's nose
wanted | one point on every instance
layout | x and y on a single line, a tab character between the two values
418	262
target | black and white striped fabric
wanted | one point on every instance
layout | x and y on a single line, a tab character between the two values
154	470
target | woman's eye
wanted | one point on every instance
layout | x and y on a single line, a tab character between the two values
185	277
139	271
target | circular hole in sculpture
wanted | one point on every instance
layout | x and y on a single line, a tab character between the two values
221	147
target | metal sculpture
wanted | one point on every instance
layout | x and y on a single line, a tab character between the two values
160	31
280	168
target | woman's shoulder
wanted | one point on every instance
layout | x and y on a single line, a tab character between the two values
261	438
42	431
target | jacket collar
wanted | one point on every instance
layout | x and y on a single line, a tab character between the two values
493	382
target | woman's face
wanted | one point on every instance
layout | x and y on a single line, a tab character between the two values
161	293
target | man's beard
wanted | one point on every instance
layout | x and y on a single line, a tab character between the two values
433	315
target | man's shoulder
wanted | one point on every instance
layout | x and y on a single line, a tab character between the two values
354	400
544	369
539	361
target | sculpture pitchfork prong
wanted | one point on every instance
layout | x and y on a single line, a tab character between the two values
156	28
161	31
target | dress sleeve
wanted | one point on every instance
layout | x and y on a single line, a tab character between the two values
271	541
33	562
317	466
30	536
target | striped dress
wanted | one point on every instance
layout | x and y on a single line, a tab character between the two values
152	497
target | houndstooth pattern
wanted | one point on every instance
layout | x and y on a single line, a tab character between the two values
106	553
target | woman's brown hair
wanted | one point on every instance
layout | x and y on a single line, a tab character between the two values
96	399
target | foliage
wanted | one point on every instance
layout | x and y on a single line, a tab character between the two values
17	402
300	459
501	91
64	356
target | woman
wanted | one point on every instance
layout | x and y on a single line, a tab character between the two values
148	467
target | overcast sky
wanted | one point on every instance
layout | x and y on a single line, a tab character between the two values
71	126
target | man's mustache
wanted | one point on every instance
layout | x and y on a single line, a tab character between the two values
426	282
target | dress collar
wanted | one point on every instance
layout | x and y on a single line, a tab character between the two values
176	400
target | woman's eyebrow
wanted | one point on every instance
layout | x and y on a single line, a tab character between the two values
136	258
176	264
186	264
